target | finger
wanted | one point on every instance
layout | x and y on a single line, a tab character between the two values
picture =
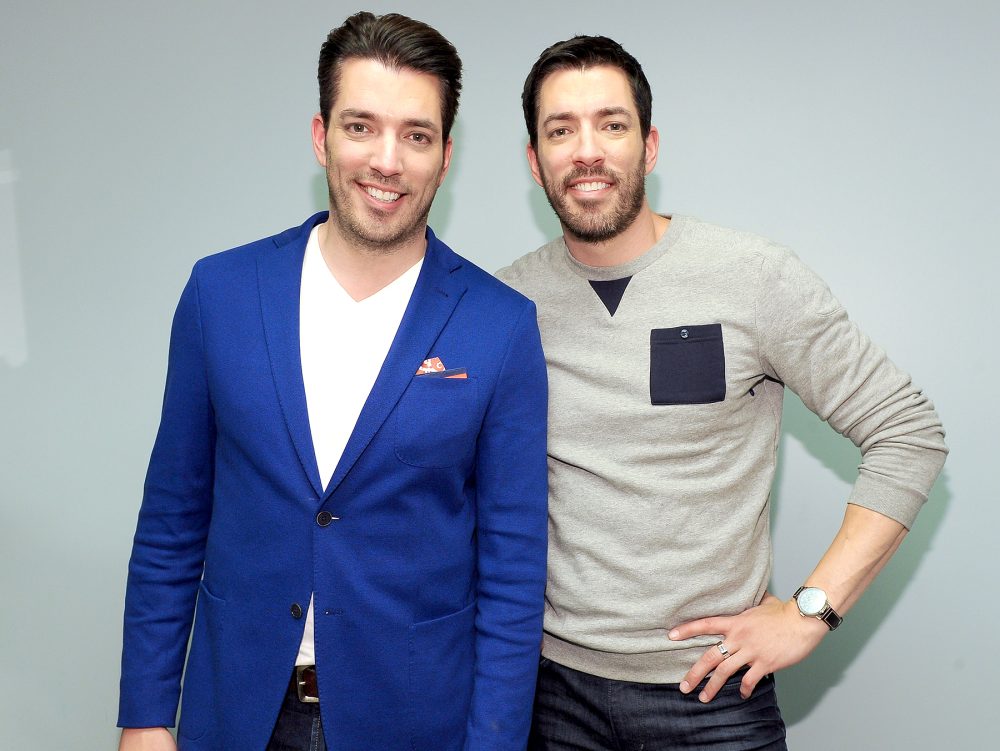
709	661
722	674
750	681
714	625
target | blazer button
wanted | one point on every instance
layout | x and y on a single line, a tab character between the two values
323	518
296	610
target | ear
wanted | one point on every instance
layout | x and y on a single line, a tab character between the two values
533	164
652	148
447	161
319	139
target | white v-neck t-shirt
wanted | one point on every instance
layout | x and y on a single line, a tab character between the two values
343	343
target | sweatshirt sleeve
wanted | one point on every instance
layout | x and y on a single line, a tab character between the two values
808	342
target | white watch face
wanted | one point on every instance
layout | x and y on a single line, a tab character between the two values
811	601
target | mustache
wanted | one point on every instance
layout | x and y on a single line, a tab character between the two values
394	183
583	173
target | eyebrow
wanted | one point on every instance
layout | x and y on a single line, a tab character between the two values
608	111
419	123
359	114
603	112
413	122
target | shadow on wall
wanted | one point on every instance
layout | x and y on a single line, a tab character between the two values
444	201
801	687
321	197
13	338
545	219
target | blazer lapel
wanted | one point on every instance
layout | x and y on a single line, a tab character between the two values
437	292
279	279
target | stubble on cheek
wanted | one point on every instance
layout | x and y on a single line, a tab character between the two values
594	222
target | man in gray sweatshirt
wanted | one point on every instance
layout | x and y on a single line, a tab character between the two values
669	342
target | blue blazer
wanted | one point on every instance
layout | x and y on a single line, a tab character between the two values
428	582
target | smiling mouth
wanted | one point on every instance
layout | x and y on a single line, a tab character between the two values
385	196
591	186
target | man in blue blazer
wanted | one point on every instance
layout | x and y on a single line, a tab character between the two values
348	488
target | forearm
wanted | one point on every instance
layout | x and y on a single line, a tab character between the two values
774	635
863	545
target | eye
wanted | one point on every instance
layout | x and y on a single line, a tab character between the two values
421	139
357	128
558	132
616	127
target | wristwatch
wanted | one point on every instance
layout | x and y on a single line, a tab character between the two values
812	603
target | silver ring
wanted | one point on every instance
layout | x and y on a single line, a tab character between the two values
722	650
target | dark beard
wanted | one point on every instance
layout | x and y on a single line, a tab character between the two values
371	236
598	226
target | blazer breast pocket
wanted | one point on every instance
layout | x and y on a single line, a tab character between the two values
437	422
687	365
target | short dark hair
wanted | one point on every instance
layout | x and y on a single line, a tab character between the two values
397	42
583	52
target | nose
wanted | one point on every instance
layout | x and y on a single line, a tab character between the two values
385	157
588	151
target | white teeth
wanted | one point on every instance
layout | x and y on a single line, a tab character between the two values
588	187
381	195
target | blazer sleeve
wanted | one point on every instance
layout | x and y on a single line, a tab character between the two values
512	511
169	546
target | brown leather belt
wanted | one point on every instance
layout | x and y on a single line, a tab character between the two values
306	684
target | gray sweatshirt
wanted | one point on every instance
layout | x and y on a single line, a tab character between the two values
664	421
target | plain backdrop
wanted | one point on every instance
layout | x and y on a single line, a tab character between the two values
136	137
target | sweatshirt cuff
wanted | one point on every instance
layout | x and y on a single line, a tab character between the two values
885	497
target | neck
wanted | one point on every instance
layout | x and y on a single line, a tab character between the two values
363	270
641	235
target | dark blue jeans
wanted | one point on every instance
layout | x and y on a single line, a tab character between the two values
576	711
299	727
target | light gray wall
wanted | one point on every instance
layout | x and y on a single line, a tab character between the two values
137	137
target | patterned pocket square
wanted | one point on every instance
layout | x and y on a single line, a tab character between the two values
434	368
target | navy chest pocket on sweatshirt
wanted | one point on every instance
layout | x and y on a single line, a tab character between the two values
687	365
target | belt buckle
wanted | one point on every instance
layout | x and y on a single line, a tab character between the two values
303	683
